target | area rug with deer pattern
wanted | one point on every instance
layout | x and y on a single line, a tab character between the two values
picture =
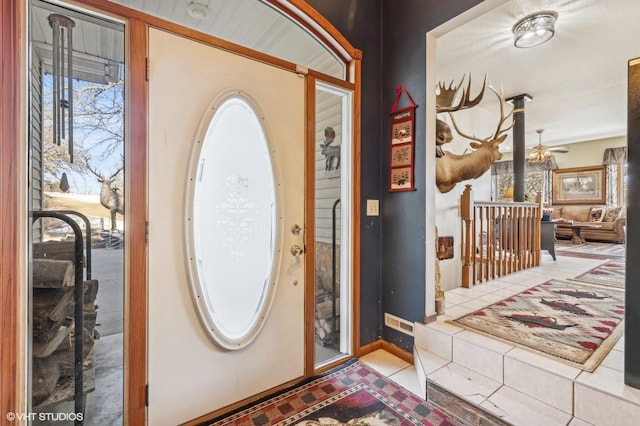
354	394
571	322
591	250
610	273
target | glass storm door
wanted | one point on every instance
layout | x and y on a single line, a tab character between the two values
226	228
76	202
333	193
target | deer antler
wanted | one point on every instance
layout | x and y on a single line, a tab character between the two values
91	169
499	133
98	175
114	174
503	118
446	95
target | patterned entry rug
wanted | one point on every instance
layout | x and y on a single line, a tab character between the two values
591	250
354	394
571	322
610	273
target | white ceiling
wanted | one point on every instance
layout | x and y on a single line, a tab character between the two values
97	44
578	79
249	23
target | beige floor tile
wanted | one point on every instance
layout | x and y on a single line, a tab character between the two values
384	362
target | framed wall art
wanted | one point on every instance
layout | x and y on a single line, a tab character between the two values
445	248
401	175
579	185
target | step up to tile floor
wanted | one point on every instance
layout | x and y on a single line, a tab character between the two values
518	386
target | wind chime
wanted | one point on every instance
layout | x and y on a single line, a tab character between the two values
62	27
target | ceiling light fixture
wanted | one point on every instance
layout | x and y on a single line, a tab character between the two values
197	11
539	153
534	29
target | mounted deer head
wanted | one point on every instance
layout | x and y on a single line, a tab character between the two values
452	168
110	198
445	97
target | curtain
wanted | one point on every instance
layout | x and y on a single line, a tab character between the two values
612	184
546	188
502	168
614	156
506	167
537	179
612	159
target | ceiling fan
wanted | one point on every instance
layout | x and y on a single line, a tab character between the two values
541	153
563	149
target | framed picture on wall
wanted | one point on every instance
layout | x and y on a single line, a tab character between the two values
401	174
579	185
445	248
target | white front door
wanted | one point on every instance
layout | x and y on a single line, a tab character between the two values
189	374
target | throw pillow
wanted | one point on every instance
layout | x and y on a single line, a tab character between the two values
557	211
596	214
611	214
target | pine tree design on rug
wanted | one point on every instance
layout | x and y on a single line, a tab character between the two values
571	322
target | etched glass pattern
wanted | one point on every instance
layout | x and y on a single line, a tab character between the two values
235	221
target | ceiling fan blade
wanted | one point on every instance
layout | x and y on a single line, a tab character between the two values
560	149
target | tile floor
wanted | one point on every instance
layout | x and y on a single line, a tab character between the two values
396	369
515	396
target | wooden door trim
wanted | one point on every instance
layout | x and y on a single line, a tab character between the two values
354	217
317	25
136	274
356	177
310	228
13	214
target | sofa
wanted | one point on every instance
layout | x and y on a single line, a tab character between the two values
611	222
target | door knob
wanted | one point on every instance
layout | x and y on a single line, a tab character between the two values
296	250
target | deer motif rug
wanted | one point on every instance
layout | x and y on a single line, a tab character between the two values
354	394
610	273
591	250
571	322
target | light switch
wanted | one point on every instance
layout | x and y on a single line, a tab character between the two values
373	207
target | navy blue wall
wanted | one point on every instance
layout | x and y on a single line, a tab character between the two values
359	22
405	24
393	246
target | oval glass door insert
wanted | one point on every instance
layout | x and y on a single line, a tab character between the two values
232	222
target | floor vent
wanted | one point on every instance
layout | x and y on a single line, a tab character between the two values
399	324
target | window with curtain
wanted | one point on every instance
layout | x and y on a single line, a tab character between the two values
615	162
537	180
